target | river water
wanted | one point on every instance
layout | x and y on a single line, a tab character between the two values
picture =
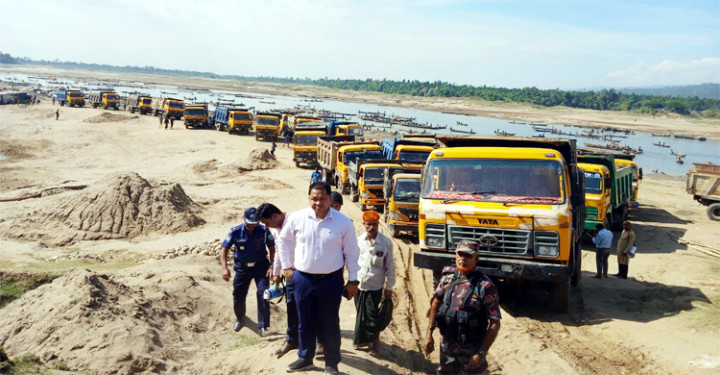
653	157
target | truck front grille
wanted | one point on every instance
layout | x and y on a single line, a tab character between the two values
411	213
591	213
492	240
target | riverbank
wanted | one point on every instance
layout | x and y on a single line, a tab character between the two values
684	125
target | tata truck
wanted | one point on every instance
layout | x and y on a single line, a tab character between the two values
266	126
141	104
340	128
366	177
402	197
608	190
233	120
71	98
196	115
305	145
168	107
408	150
703	182
105	99
521	199
334	153
625	161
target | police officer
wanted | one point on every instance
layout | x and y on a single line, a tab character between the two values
251	263
465	307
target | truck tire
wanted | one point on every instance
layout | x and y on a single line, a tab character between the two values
339	186
297	164
713	211
354	195
391	231
577	266
561	296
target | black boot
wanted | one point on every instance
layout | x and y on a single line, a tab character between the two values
624	271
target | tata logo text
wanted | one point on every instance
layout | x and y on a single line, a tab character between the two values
488	221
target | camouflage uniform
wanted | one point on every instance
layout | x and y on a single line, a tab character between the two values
454	356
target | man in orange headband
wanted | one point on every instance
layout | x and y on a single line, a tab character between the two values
377	270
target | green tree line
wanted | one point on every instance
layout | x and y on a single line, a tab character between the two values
598	100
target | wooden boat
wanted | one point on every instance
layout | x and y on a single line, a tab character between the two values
262	101
538	124
503	133
538	136
684	136
460	123
661	135
661	144
462	131
518	122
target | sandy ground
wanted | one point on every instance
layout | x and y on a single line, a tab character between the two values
156	302
671	123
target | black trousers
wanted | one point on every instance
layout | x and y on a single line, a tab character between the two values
601	261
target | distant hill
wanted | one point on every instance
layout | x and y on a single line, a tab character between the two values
705	90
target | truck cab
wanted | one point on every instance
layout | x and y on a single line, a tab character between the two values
345	128
637	177
173	108
196	115
240	121
266	126
402	195
305	147
366	178
349	154
521	199
144	104
105	99
597	194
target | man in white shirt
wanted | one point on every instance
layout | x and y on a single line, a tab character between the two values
317	242
603	241
274	219
377	270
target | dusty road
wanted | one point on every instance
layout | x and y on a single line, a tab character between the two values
156	302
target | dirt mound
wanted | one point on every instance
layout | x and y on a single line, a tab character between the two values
259	158
123	206
137	322
108	117
205	166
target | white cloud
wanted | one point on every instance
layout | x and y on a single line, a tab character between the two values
669	73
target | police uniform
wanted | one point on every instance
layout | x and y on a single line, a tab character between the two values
251	263
463	317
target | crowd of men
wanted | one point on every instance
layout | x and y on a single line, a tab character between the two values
311	248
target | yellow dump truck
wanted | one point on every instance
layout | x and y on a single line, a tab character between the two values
105	99
196	115
402	195
522	200
615	185
168	107
621	161
71	98
366	178
334	153
305	145
139	103
345	128
703	182
266	126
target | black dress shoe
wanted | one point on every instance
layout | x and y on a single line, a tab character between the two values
287	346
300	365
331	370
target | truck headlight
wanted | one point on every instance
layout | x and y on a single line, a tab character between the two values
547	251
435	242
395	216
435	235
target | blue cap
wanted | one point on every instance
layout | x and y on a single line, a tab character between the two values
251	216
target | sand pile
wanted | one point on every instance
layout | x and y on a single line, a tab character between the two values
150	319
259	158
121	206
108	117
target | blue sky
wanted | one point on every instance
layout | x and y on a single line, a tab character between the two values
547	44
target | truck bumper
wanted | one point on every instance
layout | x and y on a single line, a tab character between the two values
372	202
515	269
404	228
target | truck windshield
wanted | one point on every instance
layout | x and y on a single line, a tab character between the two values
242	116
306	139
374	176
194	112
493	180
407	190
267	121
593	183
352	156
76	95
147	101
112	97
176	105
414	156
355	131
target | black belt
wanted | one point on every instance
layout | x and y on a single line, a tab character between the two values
321	275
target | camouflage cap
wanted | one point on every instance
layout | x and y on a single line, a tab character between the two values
466	246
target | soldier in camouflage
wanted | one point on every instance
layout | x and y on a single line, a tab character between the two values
465	307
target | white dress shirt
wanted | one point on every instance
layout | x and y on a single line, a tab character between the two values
319	246
376	263
277	267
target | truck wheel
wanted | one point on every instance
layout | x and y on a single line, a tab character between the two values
354	195
297	164
577	266
713	211
256	137
391	231
561	296
339	186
